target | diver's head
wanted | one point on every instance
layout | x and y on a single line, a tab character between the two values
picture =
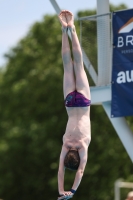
72	160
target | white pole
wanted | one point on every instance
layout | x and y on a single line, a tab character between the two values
120	184
122	129
103	40
55	5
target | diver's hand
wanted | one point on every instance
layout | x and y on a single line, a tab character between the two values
65	195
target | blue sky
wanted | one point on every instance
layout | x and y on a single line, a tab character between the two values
16	17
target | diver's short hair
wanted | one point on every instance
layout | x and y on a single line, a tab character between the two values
72	160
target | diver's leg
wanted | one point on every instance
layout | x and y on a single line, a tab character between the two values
82	84
69	81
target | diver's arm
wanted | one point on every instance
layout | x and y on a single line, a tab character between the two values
79	174
61	170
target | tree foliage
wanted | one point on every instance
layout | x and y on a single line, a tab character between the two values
33	120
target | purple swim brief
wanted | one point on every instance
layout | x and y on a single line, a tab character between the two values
76	99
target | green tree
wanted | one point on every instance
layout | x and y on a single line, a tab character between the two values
33	120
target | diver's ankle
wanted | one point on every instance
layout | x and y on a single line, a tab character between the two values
71	28
64	29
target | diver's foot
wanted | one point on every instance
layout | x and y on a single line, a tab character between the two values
70	19
62	18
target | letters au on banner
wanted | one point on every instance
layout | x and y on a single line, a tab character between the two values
122	69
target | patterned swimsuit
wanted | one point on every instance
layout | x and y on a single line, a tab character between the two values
76	99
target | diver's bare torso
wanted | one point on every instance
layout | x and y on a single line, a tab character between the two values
77	132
